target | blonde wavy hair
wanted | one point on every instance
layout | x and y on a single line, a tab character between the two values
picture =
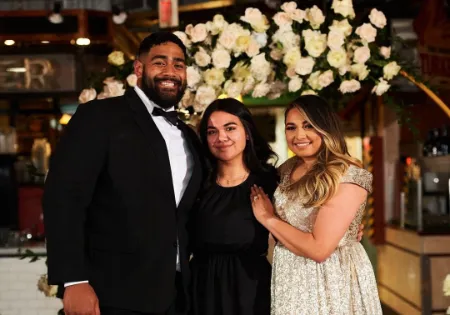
321	181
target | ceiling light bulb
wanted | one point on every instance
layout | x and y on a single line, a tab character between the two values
83	41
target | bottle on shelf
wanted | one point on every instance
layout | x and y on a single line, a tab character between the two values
444	141
435	146
428	145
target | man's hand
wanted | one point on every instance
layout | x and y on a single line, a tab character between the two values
360	232
80	299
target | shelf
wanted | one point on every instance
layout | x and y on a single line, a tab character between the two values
436	193
437	164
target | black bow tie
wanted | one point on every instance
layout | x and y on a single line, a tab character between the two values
171	116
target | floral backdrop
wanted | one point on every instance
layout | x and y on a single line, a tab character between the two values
294	52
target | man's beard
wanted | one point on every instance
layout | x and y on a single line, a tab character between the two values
159	97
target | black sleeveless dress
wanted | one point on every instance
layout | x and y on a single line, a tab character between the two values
230	272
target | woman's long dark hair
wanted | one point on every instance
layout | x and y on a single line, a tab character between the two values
257	152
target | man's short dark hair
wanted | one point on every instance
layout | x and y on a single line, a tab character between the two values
159	38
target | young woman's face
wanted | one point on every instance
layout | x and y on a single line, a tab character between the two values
302	139
226	136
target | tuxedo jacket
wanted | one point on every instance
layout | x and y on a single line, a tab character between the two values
109	207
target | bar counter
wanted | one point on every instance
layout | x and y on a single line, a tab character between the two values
411	269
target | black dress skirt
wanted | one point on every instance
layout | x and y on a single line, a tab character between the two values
230	271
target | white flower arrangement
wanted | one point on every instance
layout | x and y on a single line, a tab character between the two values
446	289
294	52
297	50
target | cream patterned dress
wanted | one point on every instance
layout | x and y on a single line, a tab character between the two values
342	285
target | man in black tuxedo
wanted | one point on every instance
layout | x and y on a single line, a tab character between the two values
118	194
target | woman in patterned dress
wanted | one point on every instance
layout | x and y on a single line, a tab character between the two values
319	267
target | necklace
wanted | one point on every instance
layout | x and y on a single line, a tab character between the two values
229	181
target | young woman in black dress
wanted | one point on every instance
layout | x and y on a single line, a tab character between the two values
231	274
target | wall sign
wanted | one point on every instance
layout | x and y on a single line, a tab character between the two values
37	73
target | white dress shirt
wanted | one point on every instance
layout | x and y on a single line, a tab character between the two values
181	161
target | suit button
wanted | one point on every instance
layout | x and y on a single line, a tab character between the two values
175	244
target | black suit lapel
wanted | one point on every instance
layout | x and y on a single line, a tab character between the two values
155	141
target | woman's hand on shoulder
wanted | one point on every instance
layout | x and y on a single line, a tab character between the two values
261	204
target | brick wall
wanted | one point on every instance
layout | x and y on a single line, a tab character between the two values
18	288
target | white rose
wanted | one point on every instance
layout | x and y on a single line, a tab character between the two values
260	67
187	99
362	54
233	89
211	28
87	95
290	72
326	78
116	58
385	52
304	66
381	88
336	39
193	77
113	87
344	8
219	20
344	69
199	33
188	29
229	35
446	285
132	80
391	70
344	26
221	59
252	48
240	71
261	90
276	54
298	15
204	96
289	7
201	57
367	32
227	39
309	92
295	84
214	77
349	86
337	58
282	19
313	81
183	37
256	19
292	56
260	38
249	84
315	17
377	18
242	43
315	42
289	40
217	25
360	70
